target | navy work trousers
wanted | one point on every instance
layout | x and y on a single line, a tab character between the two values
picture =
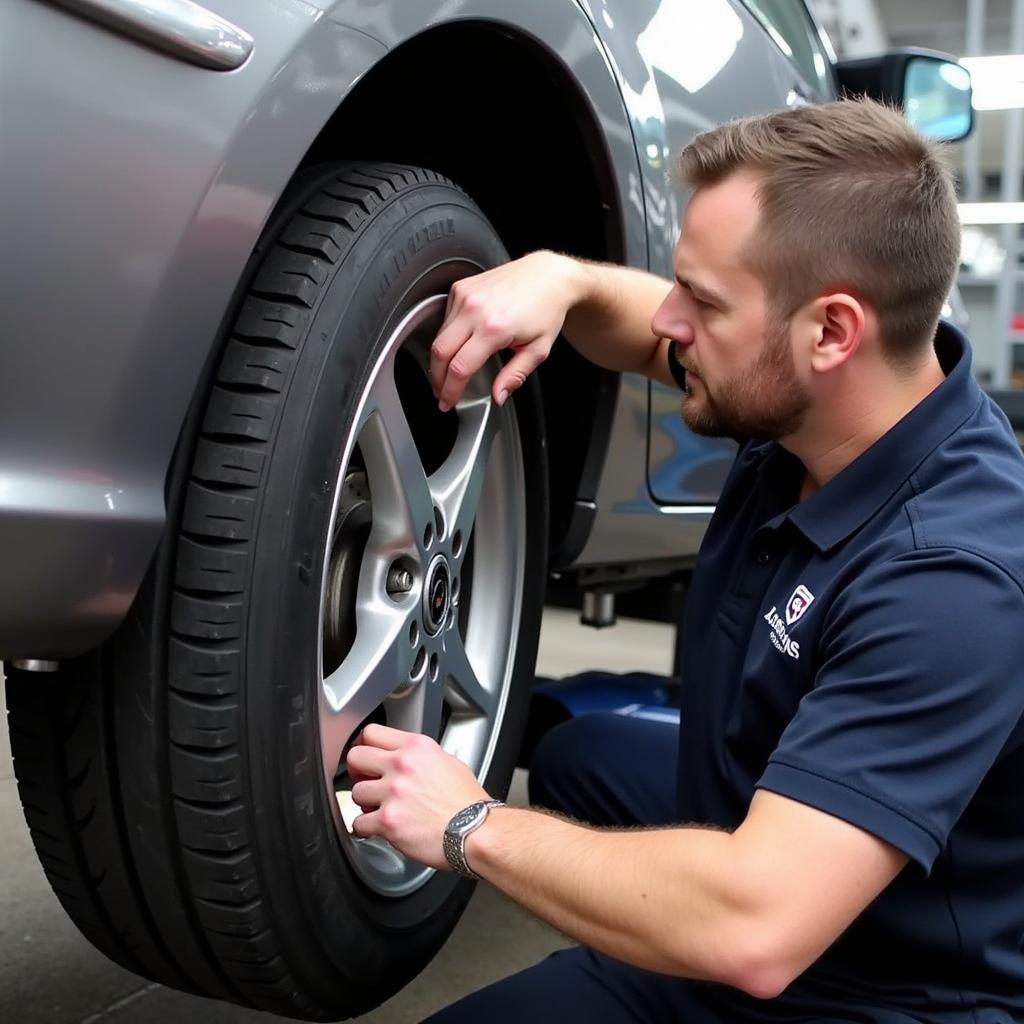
604	769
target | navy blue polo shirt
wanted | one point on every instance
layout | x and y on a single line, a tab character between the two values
862	652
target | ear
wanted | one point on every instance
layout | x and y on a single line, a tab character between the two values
838	321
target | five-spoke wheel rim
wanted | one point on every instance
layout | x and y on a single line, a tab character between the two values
422	583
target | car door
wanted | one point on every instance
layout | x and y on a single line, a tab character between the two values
785	61
801	40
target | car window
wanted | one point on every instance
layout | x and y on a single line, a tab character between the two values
789	24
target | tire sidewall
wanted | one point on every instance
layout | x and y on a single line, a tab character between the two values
414	246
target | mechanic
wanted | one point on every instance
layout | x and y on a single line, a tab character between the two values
852	749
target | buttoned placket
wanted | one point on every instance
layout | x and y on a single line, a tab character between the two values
753	577
761	562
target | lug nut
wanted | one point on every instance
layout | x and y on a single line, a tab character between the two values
399	581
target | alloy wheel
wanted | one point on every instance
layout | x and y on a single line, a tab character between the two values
423	578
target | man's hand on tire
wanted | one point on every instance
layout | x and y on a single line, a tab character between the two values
521	305
408	788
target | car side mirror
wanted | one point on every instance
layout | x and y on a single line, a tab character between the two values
933	90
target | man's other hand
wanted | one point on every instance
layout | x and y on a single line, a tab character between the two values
408	789
520	305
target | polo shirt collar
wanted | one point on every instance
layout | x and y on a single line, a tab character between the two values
849	499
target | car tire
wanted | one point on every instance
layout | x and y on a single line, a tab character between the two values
338	551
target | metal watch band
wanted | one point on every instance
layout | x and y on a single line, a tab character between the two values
454	839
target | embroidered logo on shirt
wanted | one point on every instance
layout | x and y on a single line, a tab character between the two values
795	608
798	604
779	635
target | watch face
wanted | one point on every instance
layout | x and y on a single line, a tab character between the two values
466	817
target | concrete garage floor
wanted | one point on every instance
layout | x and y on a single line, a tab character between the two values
49	973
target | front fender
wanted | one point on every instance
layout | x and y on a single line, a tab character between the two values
134	190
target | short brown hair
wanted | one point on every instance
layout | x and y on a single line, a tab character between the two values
850	195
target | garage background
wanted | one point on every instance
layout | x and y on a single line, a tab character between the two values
49	973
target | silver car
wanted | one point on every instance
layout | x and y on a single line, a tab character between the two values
234	525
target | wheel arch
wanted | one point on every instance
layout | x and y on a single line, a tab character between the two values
307	83
560	192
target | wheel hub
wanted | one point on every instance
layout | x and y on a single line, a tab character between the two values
437	595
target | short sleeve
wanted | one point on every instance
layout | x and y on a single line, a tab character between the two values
920	684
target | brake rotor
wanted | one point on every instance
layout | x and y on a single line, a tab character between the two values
351	532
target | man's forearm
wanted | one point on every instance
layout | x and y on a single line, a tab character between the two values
653	898
752	908
610	325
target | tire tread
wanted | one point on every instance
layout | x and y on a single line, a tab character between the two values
204	662
65	752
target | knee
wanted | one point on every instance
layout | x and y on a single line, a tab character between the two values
566	757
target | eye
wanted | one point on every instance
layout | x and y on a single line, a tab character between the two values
701	304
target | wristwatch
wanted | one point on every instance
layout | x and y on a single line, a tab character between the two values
469	819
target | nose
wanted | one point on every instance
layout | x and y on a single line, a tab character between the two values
671	320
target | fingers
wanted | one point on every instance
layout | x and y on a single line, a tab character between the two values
367	825
514	373
454	333
372	753
474	328
356	776
369	794
519	305
366	763
456	330
381	822
383	736
462	365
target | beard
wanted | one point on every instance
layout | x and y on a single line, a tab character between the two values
767	401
